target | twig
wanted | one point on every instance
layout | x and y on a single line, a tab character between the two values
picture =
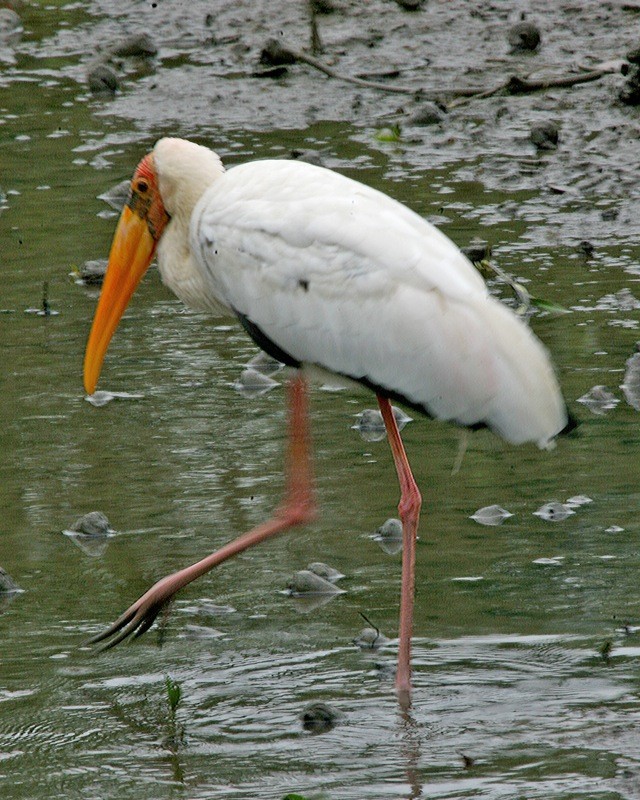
517	85
276	53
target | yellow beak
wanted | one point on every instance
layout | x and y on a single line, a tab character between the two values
131	253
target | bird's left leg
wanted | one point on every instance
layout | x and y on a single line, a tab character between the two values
409	510
297	508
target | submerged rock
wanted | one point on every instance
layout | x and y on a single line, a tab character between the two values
371	426
370	639
306	582
319	718
117	195
524	36
102	80
545	135
477	250
631	384
95	523
554	512
427	113
7	584
389	536
11	28
325	571
252	383
91	273
264	363
599	400
136	45
491	515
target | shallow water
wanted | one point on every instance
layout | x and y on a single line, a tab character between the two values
514	694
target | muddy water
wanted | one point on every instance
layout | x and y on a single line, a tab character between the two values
526	681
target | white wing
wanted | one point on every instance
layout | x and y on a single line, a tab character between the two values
339	275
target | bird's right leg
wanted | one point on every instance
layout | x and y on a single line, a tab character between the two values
297	508
409	510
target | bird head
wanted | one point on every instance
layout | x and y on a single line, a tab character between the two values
139	229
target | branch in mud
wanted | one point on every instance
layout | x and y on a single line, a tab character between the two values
276	54
517	85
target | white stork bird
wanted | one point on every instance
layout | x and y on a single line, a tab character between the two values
325	273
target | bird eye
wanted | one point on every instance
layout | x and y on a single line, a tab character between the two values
142	186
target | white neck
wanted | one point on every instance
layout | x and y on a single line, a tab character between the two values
185	171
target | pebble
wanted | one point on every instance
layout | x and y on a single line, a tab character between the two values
252	383
325	571
7	584
554	512
491	515
631	383
524	36
370	639
117	195
91	273
308	156
477	250
427	114
264	363
307	582
389	536
11	28
599	400
102	80
370	424
137	45
319	718
95	523
545	135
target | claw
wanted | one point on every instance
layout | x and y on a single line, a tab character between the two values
135	621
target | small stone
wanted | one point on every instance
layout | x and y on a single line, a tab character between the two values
252	383
633	55
91	273
370	639
11	28
319	718
308	156
371	426
95	523
524	36
306	582
389	536
631	383
137	45
325	571
117	195
586	248
427	114
545	135
477	250
7	584
273	54
599	400
578	500
554	512
491	515
102	80
264	363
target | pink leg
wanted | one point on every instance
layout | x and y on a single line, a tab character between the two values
409	509
297	508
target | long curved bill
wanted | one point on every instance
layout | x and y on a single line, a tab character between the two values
131	253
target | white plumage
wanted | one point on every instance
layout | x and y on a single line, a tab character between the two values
340	276
325	273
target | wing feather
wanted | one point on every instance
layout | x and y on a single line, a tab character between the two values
341	276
